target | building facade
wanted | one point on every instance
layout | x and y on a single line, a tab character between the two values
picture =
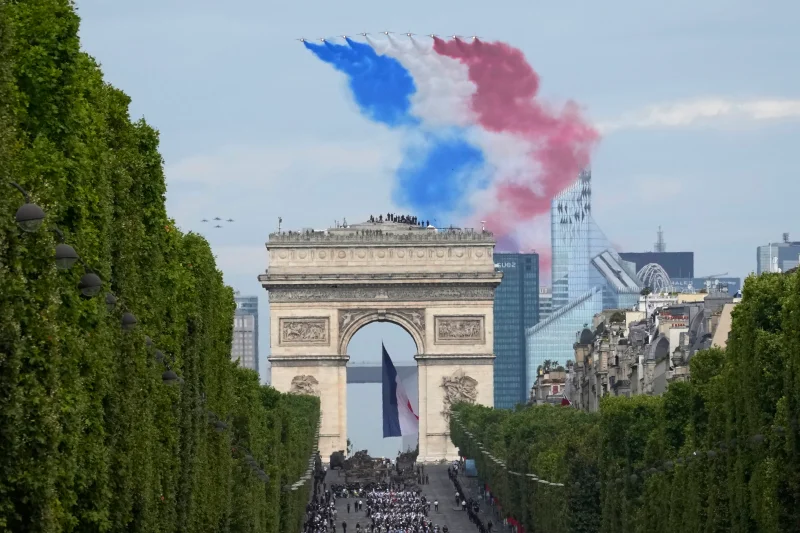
549	388
631	352
245	332
675	264
516	308
778	256
710	284
588	277
545	302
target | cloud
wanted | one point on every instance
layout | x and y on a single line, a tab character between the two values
705	112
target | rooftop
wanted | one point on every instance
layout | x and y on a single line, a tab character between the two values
379	232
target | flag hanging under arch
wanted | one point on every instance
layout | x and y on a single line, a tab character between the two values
399	418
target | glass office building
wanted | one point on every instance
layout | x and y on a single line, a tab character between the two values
588	276
778	256
516	308
245	332
545	302
730	285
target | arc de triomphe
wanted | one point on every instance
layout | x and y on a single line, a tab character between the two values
437	284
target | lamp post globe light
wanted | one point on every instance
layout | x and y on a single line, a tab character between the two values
128	321
29	216
90	285
111	302
169	377
66	256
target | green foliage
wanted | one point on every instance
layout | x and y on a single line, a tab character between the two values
90	438
617	317
719	453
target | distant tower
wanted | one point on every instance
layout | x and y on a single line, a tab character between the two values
660	246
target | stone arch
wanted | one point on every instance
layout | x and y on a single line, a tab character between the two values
411	320
438	285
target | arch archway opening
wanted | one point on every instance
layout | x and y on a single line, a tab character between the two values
364	386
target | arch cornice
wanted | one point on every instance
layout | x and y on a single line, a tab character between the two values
352	320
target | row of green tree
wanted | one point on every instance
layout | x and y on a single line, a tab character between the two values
90	437
719	453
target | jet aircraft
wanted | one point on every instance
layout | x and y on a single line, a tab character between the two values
204	220
217	226
302	39
217	218
230	220
363	34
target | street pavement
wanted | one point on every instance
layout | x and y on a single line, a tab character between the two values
440	488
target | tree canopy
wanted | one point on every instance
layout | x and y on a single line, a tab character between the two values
90	437
717	453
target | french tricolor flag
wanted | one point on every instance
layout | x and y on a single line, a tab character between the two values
399	418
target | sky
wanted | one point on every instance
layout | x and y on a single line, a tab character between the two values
697	102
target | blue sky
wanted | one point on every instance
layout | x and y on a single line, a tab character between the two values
698	101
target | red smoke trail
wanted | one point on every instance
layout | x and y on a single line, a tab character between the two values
505	101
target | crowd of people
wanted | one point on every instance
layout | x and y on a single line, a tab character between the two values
401	219
386	508
470	505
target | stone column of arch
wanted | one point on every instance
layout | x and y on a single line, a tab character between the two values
438	286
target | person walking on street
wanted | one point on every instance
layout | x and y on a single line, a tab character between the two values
348	507
436	505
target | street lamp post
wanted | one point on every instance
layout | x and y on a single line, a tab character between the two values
111	302
90	285
66	256
128	321
29	216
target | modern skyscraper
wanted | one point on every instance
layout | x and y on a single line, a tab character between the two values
516	308
778	256
245	332
545	303
588	277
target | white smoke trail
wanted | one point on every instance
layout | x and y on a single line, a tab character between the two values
444	90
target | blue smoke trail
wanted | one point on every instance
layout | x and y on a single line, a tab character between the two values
381	86
433	179
434	175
